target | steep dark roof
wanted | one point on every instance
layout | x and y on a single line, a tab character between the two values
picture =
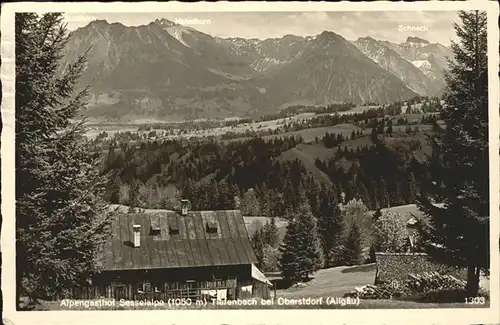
171	240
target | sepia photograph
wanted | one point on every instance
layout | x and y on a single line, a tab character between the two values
253	159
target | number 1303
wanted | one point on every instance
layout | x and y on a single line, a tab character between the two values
475	300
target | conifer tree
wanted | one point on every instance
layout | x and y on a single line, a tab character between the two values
265	202
257	240
352	253
143	195
383	198
300	250
61	218
287	196
213	195
394	196
115	191
329	227
270	233
364	195
134	197
352	190
375	197
289	251
225	196
313	196
459	231
311	257
413	190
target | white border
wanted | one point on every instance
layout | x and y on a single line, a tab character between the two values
408	316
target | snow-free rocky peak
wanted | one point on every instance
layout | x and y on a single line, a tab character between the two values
165	22
415	39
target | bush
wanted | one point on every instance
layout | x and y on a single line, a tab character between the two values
391	233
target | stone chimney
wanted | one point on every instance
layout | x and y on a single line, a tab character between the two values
137	235
185	204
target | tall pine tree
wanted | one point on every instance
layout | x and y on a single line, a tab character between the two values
257	240
134	201
300	250
311	257
383	198
289	249
61	218
353	249
459	231
115	190
329	226
412	192
270	233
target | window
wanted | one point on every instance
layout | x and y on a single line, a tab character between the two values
155	222
155	225
154	232
173	230
211	227
146	287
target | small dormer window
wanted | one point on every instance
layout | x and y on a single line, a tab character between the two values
211	227
155	225
173	230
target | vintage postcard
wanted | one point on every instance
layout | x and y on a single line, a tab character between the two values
187	162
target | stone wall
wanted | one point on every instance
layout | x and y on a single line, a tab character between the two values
397	266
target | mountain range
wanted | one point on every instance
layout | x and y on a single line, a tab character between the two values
164	70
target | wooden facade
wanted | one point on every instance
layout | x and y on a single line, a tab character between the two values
162	284
195	255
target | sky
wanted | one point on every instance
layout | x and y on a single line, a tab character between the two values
434	26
